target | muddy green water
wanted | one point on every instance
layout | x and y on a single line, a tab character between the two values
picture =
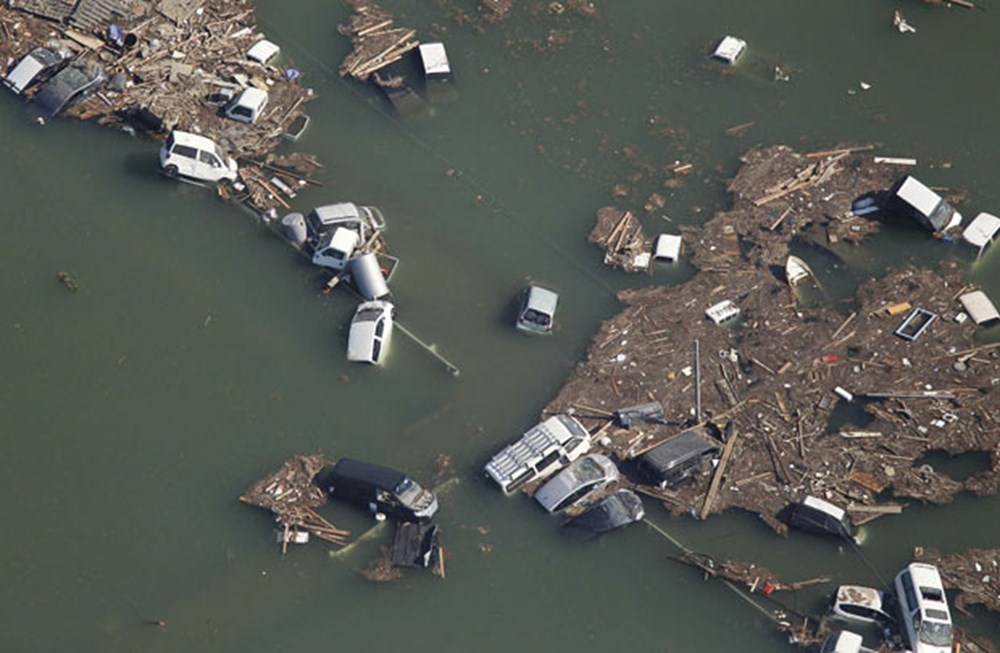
198	353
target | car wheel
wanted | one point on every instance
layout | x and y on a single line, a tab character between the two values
170	171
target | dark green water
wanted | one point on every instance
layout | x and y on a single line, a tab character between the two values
198	353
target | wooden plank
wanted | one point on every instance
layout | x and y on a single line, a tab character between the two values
844	150
719	472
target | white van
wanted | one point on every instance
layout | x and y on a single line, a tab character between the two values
335	248
247	106
546	447
197	157
923	609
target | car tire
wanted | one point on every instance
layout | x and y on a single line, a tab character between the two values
171	171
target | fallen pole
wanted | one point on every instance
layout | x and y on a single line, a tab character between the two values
431	349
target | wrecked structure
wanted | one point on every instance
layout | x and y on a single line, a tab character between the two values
809	400
175	64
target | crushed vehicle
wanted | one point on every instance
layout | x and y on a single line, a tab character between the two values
34	67
576	481
370	333
611	512
72	84
543	449
379	489
415	544
860	604
843	641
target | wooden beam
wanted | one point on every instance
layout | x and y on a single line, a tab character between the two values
713	489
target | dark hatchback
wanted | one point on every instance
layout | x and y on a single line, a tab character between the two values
71	84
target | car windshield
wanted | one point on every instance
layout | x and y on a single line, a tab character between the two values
941	214
408	491
935	633
367	315
587	471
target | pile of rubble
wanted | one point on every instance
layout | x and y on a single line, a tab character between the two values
173	64
621	236
293	497
817	402
377	42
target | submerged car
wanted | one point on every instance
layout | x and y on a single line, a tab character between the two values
861	604
614	511
678	458
818	516
543	449
378	488
70	85
582	477
32	68
371	331
538	310
197	157
924	618
843	641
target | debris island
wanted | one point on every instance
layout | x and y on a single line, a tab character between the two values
774	377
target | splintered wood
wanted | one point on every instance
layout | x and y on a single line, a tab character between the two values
293	498
377	43
622	237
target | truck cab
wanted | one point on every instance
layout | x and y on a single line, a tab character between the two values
334	249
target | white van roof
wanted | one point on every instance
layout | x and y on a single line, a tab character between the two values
252	98
819	504
982	230
979	307
193	140
918	196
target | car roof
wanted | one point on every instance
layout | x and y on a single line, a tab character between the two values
860	595
824	506
563	483
251	97
677	449
58	91
542	300
193	140
358	470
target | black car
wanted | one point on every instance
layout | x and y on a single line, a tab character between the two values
616	510
378	488
71	84
818	516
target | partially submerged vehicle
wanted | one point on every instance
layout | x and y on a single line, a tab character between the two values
797	270
817	515
908	196
543	449
33	67
924	618
434	59
677	458
982	230
843	641
613	511
380	489
415	544
576	481
538	310
861	604
730	49
72	84
197	157
979	307
371	332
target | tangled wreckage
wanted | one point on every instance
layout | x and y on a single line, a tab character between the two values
812	402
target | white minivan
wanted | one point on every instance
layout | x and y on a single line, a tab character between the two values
196	157
923	609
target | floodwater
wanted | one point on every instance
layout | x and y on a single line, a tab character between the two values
198	353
